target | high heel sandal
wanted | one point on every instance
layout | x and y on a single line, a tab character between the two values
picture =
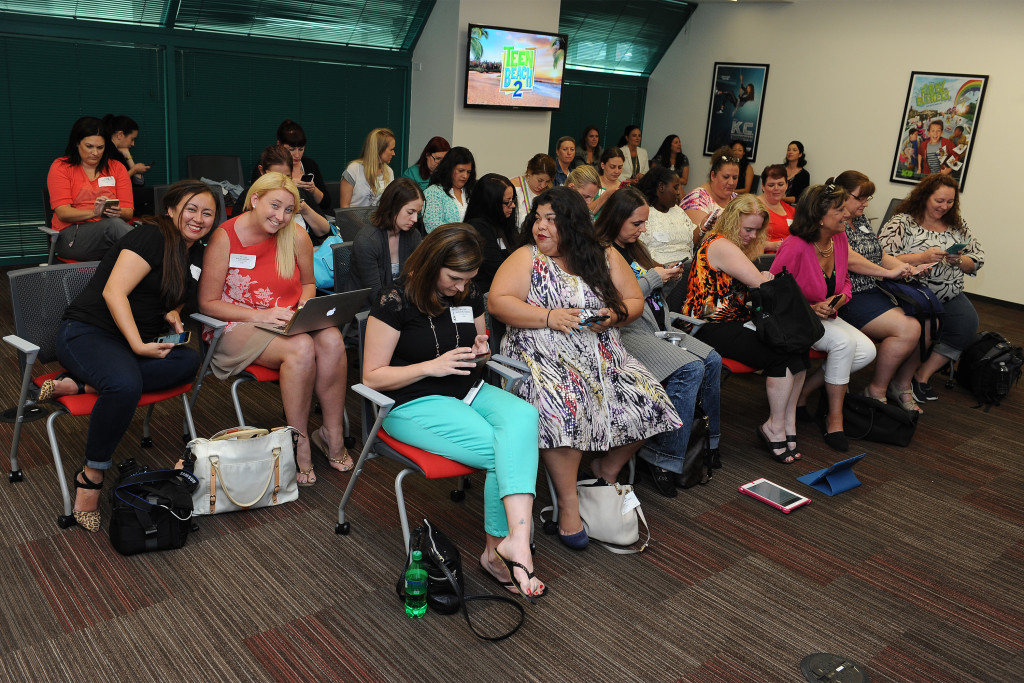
90	520
47	388
786	456
897	395
509	565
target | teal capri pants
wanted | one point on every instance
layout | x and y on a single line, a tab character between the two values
497	433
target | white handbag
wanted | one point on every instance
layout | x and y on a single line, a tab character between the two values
242	468
611	514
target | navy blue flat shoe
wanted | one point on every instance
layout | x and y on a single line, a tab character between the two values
576	541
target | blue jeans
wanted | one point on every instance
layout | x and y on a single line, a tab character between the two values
697	378
105	361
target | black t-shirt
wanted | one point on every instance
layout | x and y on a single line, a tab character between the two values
147	308
421	338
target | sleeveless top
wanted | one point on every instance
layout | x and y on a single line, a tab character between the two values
713	294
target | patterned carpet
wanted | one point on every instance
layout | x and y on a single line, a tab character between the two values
916	574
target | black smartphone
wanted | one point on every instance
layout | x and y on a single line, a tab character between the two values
307	177
832	302
594	319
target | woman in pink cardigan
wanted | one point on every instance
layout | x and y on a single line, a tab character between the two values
816	253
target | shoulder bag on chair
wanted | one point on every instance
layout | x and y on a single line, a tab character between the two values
611	514
782	316
323	260
242	468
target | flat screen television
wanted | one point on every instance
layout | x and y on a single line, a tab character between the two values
509	68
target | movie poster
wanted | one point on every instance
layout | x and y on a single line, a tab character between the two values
514	68
939	122
737	101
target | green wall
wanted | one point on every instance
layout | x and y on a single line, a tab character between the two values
608	101
191	93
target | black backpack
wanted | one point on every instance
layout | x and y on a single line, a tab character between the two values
989	367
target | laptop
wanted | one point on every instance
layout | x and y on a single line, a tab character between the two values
321	312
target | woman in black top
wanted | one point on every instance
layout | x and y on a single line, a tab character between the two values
107	340
424	339
292	137
492	211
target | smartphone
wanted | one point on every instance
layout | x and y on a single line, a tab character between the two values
677	264
176	339
773	494
482	358
307	177
473	392
594	319
832	302
111	204
956	248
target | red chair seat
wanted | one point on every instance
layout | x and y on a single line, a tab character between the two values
818	355
82	404
737	367
434	466
262	374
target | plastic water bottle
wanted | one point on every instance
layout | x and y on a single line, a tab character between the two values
416	587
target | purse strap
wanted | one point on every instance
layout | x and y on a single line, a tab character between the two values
631	551
463	599
272	475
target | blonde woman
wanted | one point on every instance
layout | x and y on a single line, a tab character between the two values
585	180
365	178
258	268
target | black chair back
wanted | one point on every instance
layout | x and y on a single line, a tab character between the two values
38	298
889	211
216	167
352	220
342	252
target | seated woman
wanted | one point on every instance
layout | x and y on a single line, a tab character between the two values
81	185
382	248
722	274
745	179
669	234
634	157
592	394
452	182
670	155
588	147
492	211
258	268
816	253
277	159
797	177
925	230
422	338
704	203
540	171
292	137
585	180
780	214
688	374
122	131
565	159
873	311
365	178
430	157
106	340
611	170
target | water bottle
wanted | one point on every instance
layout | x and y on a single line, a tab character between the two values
416	587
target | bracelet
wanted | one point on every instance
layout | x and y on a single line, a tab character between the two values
548	319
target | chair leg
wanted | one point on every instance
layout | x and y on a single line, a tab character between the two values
400	498
67	519
632	469
234	399
551	526
188	416
147	439
342	526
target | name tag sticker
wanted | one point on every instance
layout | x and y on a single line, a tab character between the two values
501	244
106	181
865	228
629	501
462	314
243	261
196	272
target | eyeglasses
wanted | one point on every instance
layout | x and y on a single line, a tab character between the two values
863	199
436	158
510	203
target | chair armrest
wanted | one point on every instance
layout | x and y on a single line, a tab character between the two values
510	374
213	323
374	396
510	362
671	319
23	345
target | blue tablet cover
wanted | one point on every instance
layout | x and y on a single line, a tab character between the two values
836	478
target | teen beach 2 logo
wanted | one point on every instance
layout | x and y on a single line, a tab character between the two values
517	70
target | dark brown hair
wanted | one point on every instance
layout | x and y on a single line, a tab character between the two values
814	203
914	203
456	246
851	181
614	213
397	194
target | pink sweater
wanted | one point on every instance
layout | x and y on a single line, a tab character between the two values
798	257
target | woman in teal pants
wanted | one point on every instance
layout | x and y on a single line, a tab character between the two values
425	344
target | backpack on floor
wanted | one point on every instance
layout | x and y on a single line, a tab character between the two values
989	367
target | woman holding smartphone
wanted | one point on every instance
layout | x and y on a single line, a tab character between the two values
927	229
108	338
91	196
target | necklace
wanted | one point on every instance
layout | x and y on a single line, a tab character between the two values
437	346
826	252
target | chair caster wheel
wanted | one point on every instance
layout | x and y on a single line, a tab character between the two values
550	527
15	476
350	441
147	442
458	496
342	528
66	521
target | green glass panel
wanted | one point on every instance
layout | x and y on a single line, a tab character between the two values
147	12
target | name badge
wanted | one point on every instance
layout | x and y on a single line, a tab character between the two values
196	272
462	314
501	244
243	261
106	181
865	228
789	221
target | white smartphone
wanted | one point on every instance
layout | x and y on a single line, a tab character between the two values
773	494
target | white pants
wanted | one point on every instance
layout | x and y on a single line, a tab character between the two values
848	350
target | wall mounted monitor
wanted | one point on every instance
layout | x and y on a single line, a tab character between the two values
509	68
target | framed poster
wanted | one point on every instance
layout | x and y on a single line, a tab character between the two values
737	102
940	119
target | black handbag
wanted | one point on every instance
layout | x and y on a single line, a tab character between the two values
918	301
151	509
445	581
871	420
697	462
783	318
